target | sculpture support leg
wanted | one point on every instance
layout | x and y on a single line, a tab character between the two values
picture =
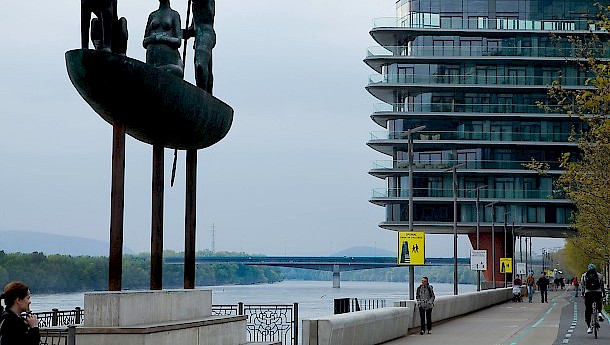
190	219
156	236
117	202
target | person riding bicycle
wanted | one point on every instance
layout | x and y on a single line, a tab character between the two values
593	289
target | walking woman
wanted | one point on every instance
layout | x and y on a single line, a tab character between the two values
14	329
425	302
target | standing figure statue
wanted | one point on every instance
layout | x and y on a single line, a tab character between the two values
162	39
205	39
108	32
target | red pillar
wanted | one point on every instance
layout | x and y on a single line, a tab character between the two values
486	245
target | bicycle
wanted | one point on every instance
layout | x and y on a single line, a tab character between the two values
594	319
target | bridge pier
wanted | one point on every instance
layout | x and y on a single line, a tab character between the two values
336	277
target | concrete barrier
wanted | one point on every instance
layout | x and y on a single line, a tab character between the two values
358	328
381	325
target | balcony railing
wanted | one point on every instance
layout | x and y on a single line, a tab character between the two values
435	21
415	51
467	193
478	136
473	79
468	108
445	164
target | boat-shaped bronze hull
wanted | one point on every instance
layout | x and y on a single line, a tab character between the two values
156	107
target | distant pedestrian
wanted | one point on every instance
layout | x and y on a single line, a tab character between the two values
14	329
576	286
543	286
425	303
530	281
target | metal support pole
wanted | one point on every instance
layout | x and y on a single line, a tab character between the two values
531	262
512	248
505	254
526	260
117	202
156	233
410	154
478	239
411	268
455	237
493	244
190	217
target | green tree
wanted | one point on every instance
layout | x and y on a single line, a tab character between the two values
586	180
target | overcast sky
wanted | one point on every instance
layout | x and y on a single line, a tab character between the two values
291	177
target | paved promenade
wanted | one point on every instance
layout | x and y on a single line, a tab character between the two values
561	321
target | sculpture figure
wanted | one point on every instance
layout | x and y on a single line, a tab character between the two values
111	34
205	39
162	39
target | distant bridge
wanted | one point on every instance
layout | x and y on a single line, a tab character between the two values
335	264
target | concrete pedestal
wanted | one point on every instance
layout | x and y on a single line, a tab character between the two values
156	318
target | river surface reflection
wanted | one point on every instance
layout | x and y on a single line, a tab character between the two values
315	298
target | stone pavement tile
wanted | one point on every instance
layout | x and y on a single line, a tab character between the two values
506	323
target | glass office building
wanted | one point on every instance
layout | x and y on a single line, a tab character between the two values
474	73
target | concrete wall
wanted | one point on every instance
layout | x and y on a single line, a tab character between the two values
446	307
381	325
358	328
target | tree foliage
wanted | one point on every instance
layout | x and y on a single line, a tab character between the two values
586	181
64	273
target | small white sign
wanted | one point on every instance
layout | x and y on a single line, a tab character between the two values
520	266
478	260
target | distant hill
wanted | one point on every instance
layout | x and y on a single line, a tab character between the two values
364	251
30	241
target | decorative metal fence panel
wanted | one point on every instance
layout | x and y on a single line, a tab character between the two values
60	317
366	304
57	336
266	322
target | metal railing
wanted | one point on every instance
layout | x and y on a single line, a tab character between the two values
467	193
266	322
425	51
481	136
420	20
469	108
57	317
58	336
445	164
474	79
366	304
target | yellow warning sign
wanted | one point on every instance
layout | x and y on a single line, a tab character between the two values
411	248
506	265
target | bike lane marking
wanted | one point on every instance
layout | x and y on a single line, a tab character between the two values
518	338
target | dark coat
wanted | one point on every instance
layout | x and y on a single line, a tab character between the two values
14	331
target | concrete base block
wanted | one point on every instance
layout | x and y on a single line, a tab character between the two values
157	318
128	308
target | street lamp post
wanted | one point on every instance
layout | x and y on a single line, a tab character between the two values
478	191
410	153
455	237
493	241
505	249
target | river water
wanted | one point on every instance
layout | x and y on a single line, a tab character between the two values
315	298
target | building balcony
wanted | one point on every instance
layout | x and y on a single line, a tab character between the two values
478	136
534	229
384	86
395	31
382	196
388	142
379	56
386	168
454	107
